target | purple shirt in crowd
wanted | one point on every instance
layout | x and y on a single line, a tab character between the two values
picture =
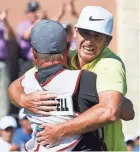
25	45
3	50
73	44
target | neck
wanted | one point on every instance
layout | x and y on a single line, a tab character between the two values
47	64
34	21
79	62
27	131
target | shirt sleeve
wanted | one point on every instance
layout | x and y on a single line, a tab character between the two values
111	76
16	140
21	29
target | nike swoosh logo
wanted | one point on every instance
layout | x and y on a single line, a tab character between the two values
92	19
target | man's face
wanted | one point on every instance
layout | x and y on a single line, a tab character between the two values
7	134
24	123
32	16
90	44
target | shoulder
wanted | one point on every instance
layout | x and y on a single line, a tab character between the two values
111	74
31	71
4	146
18	131
23	25
29	82
108	57
109	61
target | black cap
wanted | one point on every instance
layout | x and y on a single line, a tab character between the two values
32	6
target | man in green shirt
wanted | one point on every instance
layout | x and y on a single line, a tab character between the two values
92	35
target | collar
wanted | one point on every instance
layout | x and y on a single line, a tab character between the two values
45	73
88	65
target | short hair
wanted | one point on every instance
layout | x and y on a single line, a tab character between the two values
130	142
68	28
138	137
49	57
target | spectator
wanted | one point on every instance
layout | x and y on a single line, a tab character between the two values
137	144
23	36
7	126
34	14
6	34
68	27
72	9
130	144
22	134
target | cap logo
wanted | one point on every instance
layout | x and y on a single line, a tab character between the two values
92	19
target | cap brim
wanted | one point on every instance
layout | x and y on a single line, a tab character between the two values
6	126
86	28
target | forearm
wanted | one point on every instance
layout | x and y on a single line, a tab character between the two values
8	33
88	121
73	10
26	34
58	17
107	111
15	92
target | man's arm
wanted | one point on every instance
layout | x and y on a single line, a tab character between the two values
19	99
72	9
15	92
61	12
92	119
8	32
112	76
35	102
26	34
96	117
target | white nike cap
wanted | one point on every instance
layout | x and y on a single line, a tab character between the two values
7	121
96	18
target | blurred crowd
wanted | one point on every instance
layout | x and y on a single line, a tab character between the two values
14	134
133	143
15	60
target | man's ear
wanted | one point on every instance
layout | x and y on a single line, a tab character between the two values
34	53
75	32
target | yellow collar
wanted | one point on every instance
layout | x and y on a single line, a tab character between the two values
88	65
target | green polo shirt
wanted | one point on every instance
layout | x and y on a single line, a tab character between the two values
111	75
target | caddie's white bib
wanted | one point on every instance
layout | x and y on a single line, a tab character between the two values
64	84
